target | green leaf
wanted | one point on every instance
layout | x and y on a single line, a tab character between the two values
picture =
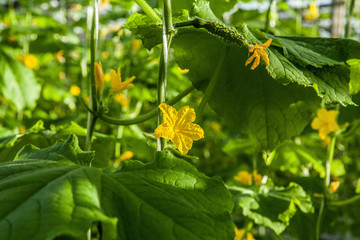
166	199
271	103
10	145
248	100
68	150
145	28
275	208
337	168
293	157
357	190
209	9
17	82
354	75
102	144
58	199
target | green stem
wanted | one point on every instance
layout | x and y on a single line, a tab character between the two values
91	120
344	202
330	156
28	18
268	14
348	20
153	113
167	36
227	33
212	83
148	10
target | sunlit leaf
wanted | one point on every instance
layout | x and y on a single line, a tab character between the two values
275	207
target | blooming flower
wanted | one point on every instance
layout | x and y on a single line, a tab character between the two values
178	127
30	61
244	177
325	122
126	155
239	233
60	56
334	186
258	50
312	13
75	90
99	77
116	83
257	177
122	99
105	54
247	179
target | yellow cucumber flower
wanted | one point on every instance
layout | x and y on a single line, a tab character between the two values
126	155
59	56
258	51
247	178
239	233
75	90
244	177
99	76
117	85
325	122
312	13
30	61
178	127
334	186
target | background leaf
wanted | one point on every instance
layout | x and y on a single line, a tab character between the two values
17	82
275	207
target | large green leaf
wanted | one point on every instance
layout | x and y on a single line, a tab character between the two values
274	207
248	100
17	82
167	199
271	103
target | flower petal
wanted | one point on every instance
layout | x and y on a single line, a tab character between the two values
267	44
256	62
164	131
265	57
316	124
169	114
191	130
248	61
182	142
185	115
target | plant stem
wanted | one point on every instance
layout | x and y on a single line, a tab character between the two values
330	156
344	202
91	120
167	36
268	14
12	13
212	83
148	10
348	20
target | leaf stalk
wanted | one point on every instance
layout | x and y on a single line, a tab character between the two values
148	10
